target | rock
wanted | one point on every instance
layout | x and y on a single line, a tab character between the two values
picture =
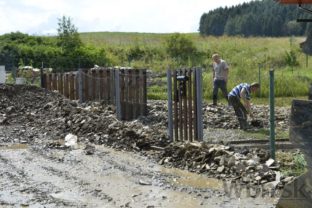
71	140
145	183
220	169
251	162
288	179
231	161
269	162
89	150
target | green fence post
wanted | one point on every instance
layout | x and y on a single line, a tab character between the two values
259	78
272	124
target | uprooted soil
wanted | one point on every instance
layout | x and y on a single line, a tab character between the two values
38	169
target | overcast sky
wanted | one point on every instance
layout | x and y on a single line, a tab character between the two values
155	16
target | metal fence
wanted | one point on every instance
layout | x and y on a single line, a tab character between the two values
124	88
185	104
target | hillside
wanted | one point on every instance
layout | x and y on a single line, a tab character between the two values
246	57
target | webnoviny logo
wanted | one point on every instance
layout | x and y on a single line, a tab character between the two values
238	190
297	190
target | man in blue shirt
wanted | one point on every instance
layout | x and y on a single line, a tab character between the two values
242	92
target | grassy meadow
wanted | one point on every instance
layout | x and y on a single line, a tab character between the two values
250	60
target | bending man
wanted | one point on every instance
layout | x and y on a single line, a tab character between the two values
242	92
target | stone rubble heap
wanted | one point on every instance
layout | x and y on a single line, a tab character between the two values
51	114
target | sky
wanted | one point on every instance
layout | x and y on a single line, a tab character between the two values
40	17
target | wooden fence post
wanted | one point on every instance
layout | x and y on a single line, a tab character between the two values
117	95
170	119
199	104
86	84
66	86
80	86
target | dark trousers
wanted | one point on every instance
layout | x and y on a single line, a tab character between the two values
240	111
216	85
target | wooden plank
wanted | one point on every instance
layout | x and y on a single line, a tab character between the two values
107	92
190	114
175	106
48	82
126	94
180	112
85	85
54	81
144	87
94	80
90	89
112	85
117	88
101	84
130	94
98	84
185	110
122	93
66	85
60	83
136	87
80	86
71	86
195	105
77	85
170	114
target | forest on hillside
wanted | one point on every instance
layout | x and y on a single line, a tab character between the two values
256	18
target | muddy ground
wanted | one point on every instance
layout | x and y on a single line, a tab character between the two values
124	164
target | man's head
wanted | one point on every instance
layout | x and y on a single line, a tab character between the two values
254	87
216	58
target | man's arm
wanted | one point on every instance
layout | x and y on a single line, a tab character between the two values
226	70
246	101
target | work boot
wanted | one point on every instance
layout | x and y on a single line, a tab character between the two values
243	124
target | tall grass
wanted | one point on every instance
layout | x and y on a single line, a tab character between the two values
244	56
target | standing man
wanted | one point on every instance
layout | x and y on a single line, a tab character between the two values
220	77
242	91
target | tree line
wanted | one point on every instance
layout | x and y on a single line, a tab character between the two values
256	18
67	52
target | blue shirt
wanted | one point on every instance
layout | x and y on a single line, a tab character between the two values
237	90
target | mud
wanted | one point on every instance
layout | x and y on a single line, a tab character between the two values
114	163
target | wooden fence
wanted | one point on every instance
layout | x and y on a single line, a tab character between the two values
125	88
185	109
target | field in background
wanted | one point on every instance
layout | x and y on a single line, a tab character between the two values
244	55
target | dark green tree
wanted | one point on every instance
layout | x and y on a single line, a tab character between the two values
181	48
68	36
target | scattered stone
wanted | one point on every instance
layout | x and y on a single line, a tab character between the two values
269	162
220	169
145	183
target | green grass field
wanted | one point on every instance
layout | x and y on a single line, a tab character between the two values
250	60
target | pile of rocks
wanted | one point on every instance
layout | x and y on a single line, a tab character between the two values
51	114
248	166
223	116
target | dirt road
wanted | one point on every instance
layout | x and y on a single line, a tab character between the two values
35	175
113	164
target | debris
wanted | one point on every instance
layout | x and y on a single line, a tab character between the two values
71	140
269	162
145	183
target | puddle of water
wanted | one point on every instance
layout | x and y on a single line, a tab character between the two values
15	147
185	178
